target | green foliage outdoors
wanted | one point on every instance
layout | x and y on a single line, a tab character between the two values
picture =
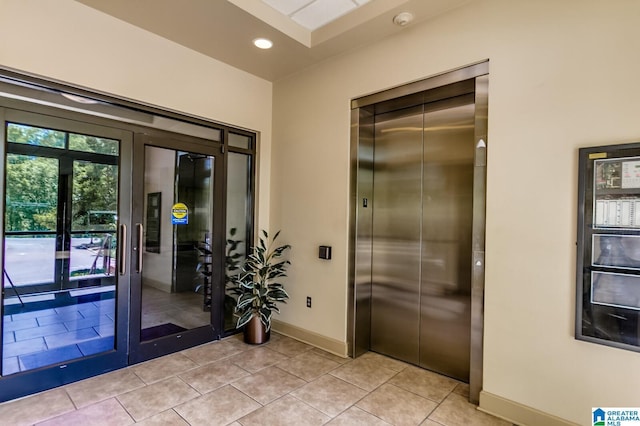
32	182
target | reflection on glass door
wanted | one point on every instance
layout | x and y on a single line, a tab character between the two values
239	225
59	271
177	258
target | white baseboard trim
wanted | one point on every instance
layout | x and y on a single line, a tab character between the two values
328	344
518	413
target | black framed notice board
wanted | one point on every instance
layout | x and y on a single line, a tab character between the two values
608	260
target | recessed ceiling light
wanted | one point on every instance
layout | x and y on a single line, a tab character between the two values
263	43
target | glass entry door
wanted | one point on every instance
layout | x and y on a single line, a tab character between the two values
115	248
177	264
64	288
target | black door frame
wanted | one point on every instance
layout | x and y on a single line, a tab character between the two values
53	375
142	351
36	95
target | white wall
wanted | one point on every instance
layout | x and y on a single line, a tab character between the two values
74	43
563	75
159	165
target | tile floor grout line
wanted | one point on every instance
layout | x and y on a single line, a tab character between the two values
422	396
317	409
304	402
177	414
200	394
353	404
399	387
66	390
50	417
248	396
123	407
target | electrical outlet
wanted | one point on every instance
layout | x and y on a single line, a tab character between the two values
308	301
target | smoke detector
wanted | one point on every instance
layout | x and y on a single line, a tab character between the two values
403	18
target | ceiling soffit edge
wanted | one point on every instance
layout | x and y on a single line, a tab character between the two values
275	19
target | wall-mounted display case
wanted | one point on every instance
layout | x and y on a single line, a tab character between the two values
608	260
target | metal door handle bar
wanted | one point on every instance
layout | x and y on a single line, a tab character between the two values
122	249
139	247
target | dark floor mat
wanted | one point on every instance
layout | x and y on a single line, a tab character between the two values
160	331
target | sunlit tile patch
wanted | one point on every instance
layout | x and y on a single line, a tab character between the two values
72	337
24	347
32	314
20	324
105	330
86	309
53	335
8	337
92	321
47	330
95	346
58	318
10	365
52	356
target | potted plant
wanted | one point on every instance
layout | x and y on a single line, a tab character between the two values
259	290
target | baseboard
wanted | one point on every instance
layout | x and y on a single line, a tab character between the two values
518	413
333	346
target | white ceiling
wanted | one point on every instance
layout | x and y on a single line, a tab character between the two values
313	14
304	32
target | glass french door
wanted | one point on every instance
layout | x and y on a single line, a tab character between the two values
65	287
115	248
178	258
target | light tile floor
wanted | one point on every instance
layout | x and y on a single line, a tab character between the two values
284	382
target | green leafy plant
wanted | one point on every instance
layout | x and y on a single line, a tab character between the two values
257	285
233	257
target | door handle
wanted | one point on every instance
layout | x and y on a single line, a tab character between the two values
140	233
122	249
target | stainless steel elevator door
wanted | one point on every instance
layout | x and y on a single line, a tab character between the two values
447	205
397	217
421	244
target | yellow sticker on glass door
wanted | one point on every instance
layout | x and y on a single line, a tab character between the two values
179	214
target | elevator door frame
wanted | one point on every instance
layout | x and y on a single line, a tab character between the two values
363	110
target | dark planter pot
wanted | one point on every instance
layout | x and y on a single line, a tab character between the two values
255	332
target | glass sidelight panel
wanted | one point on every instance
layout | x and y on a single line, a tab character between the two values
59	280
31	205
176	293
93	222
239	226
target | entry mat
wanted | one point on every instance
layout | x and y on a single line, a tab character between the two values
160	331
